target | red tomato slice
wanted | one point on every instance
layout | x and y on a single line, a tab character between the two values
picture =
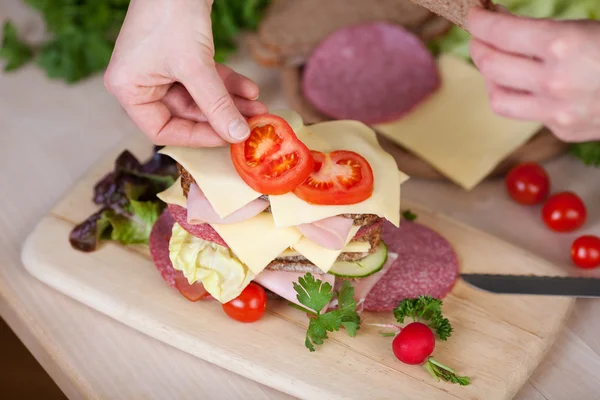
338	178
272	160
585	251
193	292
528	183
564	212
249	306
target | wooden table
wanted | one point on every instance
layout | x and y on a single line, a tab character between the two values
50	134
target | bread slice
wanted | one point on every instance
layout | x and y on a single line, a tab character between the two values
455	10
291	29
301	264
359	219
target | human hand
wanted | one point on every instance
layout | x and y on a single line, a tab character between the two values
541	70
163	73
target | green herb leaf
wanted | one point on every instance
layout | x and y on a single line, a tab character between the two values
588	153
409	215
14	52
315	295
427	309
440	371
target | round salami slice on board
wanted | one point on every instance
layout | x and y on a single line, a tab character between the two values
159	247
203	231
374	73
426	265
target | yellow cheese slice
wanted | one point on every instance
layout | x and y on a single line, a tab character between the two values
289	210
215	174
320	256
173	194
456	130
257	242
352	247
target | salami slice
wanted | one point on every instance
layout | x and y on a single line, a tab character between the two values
426	265
374	73
203	231
159	247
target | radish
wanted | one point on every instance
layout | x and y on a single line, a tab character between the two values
415	343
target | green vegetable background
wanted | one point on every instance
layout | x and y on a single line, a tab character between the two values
82	34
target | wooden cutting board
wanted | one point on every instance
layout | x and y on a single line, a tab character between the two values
498	340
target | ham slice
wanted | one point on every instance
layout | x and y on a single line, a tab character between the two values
330	233
363	286
199	209
281	283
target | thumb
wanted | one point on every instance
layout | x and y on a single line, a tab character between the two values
208	91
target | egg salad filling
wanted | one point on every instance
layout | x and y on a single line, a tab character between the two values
223	275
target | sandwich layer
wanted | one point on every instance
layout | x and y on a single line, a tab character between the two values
359	219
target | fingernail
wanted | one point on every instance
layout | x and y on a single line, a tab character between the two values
239	129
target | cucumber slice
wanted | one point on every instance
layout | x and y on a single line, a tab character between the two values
362	268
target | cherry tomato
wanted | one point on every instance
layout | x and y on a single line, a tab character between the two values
272	160
249	306
585	251
193	292
338	178
564	212
528	183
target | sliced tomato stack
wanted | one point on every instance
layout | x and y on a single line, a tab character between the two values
274	161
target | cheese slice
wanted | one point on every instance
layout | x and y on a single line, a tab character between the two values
289	210
320	256
456	131
352	247
257	242
173	194
213	171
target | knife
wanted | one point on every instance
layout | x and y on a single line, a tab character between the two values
535	285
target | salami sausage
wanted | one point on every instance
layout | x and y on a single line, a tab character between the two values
159	247
203	231
426	265
374	72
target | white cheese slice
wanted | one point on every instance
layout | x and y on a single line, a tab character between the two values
289	210
456	130
173	194
214	172
257	242
320	256
352	247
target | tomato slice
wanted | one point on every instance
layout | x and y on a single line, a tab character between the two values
272	160
249	306
338	178
193	292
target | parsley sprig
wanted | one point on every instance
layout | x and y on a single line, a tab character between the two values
315	295
425	309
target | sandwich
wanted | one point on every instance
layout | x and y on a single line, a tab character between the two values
291	200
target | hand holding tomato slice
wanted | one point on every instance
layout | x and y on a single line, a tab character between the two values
272	160
585	251
338	178
564	212
249	306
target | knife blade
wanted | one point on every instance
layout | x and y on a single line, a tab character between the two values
535	285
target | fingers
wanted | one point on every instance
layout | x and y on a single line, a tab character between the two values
517	105
205	86
512	34
238	84
505	69
180	104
